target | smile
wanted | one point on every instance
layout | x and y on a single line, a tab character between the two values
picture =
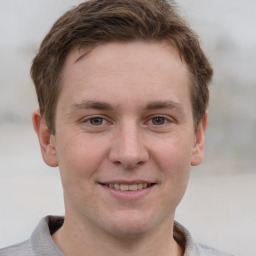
130	187
128	191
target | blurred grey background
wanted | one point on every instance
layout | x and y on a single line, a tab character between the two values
219	207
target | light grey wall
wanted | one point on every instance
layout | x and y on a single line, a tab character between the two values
23	24
227	31
220	204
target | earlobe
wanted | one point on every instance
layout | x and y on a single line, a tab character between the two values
46	139
198	149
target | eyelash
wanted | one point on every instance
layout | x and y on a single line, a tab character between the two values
90	119
162	118
104	121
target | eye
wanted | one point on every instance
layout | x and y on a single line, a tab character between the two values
158	120
96	121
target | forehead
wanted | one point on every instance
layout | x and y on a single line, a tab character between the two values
131	54
143	70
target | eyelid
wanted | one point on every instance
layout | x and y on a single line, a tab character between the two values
168	120
86	120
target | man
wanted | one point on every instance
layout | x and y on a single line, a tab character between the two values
122	87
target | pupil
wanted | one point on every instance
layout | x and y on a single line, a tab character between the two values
158	120
96	121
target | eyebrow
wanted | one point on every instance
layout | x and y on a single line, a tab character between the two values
164	104
91	105
106	106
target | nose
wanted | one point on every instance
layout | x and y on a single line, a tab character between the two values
128	148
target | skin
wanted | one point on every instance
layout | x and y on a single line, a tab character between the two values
124	115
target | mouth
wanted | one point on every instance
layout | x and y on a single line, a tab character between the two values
128	187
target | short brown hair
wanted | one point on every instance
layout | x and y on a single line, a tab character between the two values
98	21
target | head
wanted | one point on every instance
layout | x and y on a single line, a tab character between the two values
95	22
123	90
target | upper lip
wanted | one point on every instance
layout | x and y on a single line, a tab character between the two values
130	182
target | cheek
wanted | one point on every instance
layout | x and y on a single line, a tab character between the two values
173	158
79	165
174	152
79	158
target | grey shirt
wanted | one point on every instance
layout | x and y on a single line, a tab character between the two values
42	244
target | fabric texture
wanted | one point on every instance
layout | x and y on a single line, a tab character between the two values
42	244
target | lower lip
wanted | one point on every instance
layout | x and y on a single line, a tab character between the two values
128	195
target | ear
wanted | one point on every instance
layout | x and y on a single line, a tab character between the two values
46	139
198	149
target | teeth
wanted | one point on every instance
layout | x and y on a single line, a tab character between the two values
123	187
116	186
126	187
139	186
133	187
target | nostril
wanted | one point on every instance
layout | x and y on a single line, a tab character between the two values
132	165
129	162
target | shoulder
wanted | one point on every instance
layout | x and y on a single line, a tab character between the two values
209	251
40	243
20	249
183	237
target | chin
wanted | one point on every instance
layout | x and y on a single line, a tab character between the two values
130	226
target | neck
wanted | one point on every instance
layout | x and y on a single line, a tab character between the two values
75	239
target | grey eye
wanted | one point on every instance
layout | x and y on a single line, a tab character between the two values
96	121
158	120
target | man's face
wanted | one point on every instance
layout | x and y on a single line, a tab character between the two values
125	137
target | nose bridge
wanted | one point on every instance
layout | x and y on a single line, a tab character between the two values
128	148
